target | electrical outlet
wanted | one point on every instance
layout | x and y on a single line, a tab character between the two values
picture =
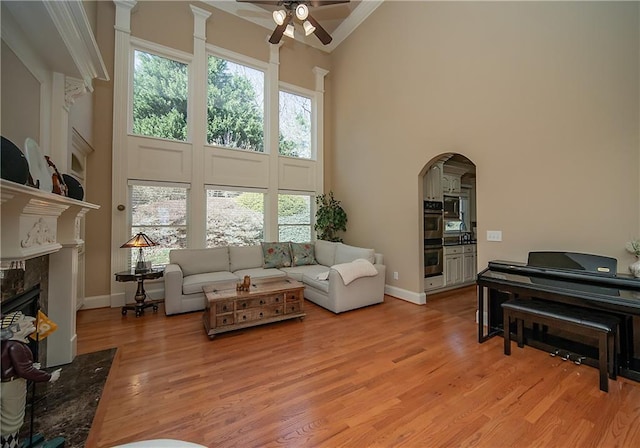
395	276
494	235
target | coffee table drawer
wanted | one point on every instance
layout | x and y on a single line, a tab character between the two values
293	296
225	319
293	307
264	312
259	301
224	307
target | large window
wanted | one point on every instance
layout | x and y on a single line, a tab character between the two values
235	105
160	91
294	218
234	218
159	211
295	125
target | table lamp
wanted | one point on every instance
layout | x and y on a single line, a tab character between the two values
139	241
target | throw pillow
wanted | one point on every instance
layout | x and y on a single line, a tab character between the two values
276	255
302	254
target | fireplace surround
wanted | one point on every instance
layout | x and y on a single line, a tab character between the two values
43	230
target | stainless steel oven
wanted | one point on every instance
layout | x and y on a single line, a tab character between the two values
433	220
433	257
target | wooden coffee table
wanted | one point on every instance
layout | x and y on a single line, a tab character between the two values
267	301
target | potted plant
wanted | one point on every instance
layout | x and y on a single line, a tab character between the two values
330	218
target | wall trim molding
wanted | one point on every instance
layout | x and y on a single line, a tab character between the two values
404	294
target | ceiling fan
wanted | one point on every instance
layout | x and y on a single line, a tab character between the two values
296	9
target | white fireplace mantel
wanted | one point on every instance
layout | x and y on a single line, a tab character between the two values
36	223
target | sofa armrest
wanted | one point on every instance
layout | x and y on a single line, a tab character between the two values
360	292
172	288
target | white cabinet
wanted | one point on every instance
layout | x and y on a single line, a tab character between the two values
450	184
469	269
453	265
435	282
459	264
433	183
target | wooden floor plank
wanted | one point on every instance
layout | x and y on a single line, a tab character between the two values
389	375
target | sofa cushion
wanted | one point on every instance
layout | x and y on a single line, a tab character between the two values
260	273
302	254
245	257
346	254
311	270
276	255
193	284
322	285
198	261
325	252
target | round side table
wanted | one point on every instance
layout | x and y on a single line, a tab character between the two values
141	296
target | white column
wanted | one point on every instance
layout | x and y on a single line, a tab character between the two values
119	150
271	132
62	344
198	130
317	128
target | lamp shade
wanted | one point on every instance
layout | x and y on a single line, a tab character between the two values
289	31
279	16
140	240
302	12
308	28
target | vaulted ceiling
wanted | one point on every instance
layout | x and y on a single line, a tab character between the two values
339	20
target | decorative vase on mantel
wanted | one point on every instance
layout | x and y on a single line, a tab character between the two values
634	268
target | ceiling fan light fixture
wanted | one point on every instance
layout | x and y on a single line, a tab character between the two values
308	28
279	16
302	11
289	31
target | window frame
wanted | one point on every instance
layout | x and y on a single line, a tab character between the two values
167	53
263	191
256	64
312	211
146	183
313	96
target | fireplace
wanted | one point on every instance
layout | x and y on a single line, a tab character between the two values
41	231
25	288
28	302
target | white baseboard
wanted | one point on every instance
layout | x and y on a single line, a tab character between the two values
96	302
117	299
409	296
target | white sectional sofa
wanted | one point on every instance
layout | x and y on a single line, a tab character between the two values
191	269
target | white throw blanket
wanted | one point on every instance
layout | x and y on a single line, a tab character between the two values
354	270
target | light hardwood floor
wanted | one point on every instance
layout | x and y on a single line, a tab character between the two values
390	375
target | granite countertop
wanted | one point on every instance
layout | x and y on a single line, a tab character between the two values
460	243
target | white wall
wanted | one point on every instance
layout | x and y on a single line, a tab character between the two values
541	96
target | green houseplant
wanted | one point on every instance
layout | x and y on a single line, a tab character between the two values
330	218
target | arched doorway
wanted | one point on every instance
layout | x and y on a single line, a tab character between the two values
449	224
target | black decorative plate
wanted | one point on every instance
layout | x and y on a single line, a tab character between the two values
74	187
13	163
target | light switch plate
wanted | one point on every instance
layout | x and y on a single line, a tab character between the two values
494	235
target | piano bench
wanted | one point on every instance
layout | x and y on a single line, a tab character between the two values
573	319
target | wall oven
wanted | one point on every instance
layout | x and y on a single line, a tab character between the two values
433	257
433	234
433	220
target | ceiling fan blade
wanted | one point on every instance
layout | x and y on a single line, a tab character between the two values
320	32
316	3
279	31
